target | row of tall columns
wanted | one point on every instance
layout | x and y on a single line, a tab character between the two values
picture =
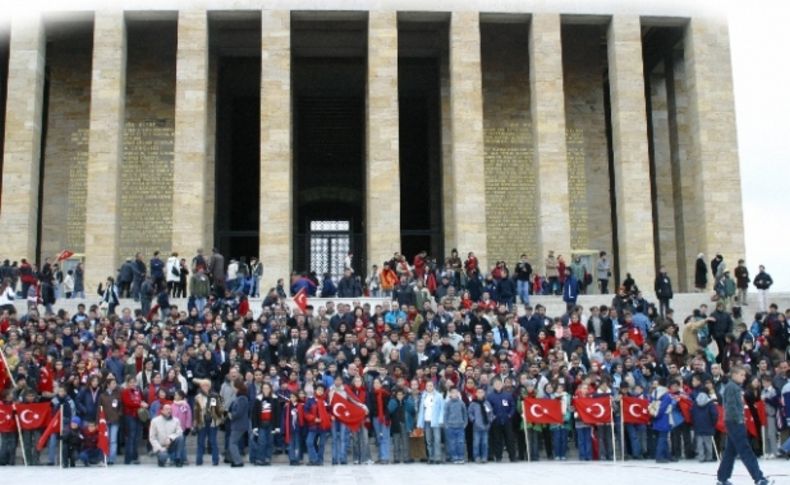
711	113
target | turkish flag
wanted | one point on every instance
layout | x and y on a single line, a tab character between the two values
748	420
635	410
542	411
720	427
7	423
759	406
300	299
65	254
104	433
347	412
594	410
32	416
52	427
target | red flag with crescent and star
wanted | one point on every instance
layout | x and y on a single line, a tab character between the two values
594	410
347	412
32	415
542	411
104	433
300	299
635	410
64	255
52	427
7	423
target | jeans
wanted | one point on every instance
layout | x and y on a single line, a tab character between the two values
456	445
316	441
200	304
339	440
738	445
265	444
234	449
113	428
433	441
480	445
8	448
294	450
382	438
585	443
704	447
360	448
662	446
91	456
559	437
133	432
522	288
635	434
534	444
210	433
29	440
400	445
174	451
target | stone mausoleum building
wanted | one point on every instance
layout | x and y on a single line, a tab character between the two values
299	130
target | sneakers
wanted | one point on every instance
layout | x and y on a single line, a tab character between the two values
725	482
765	481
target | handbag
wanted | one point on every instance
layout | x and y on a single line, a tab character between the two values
143	415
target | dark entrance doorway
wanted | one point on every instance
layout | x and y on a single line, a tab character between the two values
237	172
328	77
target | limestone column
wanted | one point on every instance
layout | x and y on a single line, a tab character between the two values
276	209
383	160
466	110
21	158
191	134
105	150
548	129
713	141
629	143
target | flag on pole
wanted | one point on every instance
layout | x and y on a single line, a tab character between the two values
594	410
32	416
300	299
52	427
104	433
65	254
543	411
347	412
635	410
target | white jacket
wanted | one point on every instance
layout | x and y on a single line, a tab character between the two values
162	430
172	262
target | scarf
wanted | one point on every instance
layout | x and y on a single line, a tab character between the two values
380	395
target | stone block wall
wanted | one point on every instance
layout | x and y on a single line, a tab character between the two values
510	172
66	146
585	120
146	187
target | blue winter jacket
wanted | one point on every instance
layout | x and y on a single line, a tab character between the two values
437	415
503	404
661	420
704	415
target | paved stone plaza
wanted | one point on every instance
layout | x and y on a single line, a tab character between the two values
629	473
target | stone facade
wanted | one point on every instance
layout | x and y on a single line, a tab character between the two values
66	149
129	158
510	171
22	146
105	151
713	144
629	144
191	133
466	110
383	181
276	153
585	120
146	196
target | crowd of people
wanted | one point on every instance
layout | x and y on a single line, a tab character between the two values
440	368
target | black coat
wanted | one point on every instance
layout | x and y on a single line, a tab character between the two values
701	274
663	287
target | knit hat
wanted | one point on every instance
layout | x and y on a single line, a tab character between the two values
76	420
